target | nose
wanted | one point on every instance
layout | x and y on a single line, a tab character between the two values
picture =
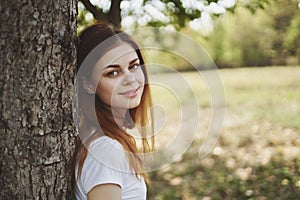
129	78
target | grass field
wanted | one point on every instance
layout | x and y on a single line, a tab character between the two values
258	153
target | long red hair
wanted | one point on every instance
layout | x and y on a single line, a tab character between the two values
140	116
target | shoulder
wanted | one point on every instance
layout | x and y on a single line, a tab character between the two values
106	163
104	143
108	152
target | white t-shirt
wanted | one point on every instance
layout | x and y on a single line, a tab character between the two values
107	162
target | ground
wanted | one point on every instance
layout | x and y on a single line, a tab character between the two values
257	153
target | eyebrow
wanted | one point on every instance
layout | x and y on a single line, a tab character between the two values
118	66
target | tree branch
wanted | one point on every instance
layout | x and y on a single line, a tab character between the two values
114	14
96	12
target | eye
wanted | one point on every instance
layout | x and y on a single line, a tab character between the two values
134	66
112	73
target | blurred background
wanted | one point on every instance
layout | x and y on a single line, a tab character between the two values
256	46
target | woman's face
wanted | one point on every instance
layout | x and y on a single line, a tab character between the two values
119	77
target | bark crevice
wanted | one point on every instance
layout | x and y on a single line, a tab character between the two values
36	129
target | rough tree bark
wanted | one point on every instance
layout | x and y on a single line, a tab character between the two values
37	59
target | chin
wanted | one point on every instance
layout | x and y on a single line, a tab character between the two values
132	105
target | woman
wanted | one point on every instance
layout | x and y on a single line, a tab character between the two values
113	96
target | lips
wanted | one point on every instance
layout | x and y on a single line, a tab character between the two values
131	93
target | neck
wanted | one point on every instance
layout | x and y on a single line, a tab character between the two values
87	129
119	115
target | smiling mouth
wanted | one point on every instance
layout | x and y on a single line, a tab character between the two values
131	93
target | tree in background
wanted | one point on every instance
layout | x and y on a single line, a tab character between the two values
266	37
292	38
263	36
36	127
281	13
242	39
159	12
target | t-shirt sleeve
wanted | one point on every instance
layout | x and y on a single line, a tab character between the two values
106	163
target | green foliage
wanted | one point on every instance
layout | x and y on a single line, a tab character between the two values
177	12
281	12
292	39
242	39
246	39
268	37
272	181
253	6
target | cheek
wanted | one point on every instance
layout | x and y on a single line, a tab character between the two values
105	91
141	77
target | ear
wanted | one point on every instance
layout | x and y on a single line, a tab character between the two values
88	87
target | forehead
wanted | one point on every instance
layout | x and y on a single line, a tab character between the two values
119	54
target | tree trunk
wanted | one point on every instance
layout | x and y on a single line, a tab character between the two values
36	127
